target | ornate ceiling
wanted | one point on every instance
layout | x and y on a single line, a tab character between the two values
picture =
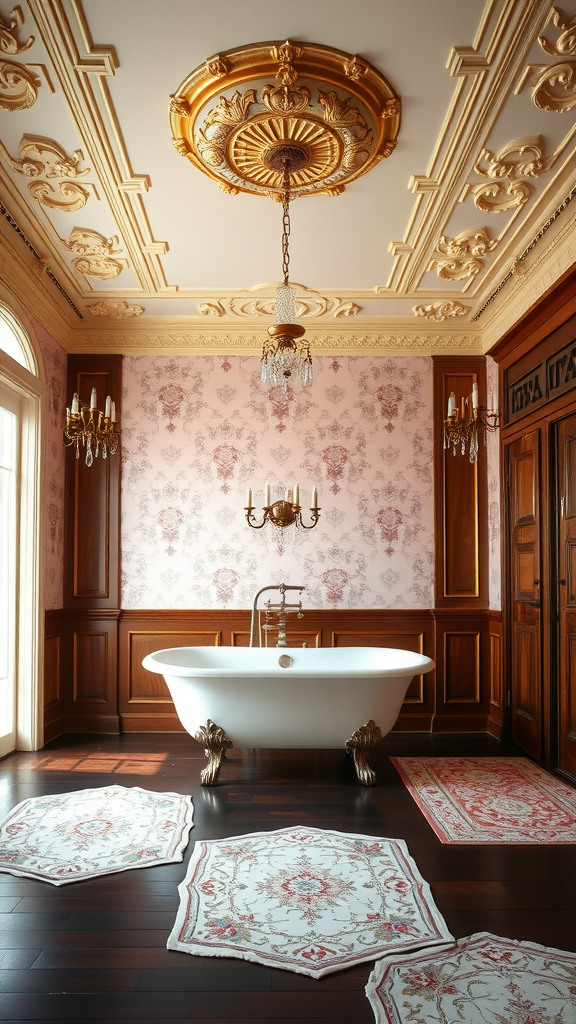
123	245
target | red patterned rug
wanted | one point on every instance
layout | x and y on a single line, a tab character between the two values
483	979
490	799
304	899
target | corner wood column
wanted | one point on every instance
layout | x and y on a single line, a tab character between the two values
461	560
89	697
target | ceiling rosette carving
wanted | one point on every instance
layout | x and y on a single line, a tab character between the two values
459	258
335	110
94	254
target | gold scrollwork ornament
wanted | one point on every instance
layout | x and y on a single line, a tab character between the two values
74	195
555	88
440	311
95	254
565	45
18	86
495	197
8	42
530	161
220	122
458	258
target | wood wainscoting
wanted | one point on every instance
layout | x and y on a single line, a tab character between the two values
462	695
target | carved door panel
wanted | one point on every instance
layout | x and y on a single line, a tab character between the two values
526	633
567	596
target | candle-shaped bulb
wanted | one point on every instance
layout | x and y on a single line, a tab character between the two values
108	408
113	412
249	498
267	496
474	396
93	399
296	495
75	404
314	499
495	401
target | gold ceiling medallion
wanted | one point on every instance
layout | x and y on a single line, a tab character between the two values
94	254
237	114
440	311
458	258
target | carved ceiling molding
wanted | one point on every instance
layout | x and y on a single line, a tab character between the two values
60	26
18	83
94	254
440	311
309	304
375	342
44	158
459	258
115	310
481	93
554	85
236	116
544	266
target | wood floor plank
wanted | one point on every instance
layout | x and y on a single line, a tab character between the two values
95	951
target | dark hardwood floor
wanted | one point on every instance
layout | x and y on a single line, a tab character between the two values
96	951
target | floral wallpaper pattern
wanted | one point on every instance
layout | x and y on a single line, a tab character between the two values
198	430
55	369
493	453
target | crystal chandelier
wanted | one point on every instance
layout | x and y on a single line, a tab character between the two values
463	427
285	356
96	431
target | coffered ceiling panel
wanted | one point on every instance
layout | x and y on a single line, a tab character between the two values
125	230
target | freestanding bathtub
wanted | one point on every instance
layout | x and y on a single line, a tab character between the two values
287	697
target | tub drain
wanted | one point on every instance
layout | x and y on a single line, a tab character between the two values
284	661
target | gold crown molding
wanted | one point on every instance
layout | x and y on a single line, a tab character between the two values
542	265
225	340
236	115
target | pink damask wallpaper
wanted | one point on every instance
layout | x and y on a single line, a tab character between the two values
55	369
198	430
493	461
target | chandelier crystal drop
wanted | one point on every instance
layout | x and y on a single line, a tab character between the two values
285	356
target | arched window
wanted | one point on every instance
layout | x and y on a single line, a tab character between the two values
22	396
14	341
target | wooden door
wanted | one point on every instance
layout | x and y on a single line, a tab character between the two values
525	572
566	584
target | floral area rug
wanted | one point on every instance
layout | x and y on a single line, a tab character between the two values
490	799
75	836
304	899
483	979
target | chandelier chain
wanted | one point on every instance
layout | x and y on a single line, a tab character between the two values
286	222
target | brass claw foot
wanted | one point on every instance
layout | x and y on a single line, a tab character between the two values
359	745
215	743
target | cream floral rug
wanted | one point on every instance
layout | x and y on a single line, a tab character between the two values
483	979
304	899
69	838
490	799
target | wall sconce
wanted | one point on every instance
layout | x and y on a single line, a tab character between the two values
282	512
96	431
462	428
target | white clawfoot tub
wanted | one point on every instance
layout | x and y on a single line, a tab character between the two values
287	697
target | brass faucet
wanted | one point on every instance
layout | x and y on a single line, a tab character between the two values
281	610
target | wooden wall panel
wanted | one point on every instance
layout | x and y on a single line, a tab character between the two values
462	667
52	658
89	672
460	494
92	556
53	674
498	698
